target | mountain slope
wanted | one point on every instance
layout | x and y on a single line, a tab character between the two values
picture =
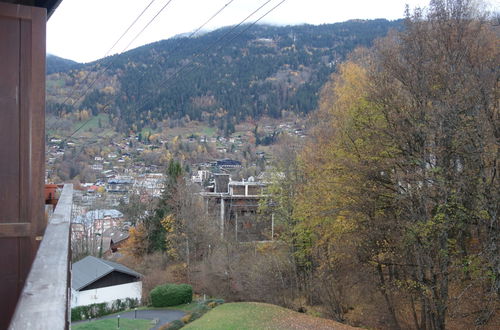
264	71
58	64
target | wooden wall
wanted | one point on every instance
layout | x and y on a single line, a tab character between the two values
22	147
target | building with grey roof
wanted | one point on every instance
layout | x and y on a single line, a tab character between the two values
95	280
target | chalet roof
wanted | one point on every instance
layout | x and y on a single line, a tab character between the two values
90	269
50	5
116	234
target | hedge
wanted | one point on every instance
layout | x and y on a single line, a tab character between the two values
174	325
97	310
171	295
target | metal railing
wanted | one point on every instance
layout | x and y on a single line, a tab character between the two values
45	299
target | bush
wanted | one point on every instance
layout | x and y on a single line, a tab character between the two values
217	301
200	308
97	310
213	302
196	315
171	295
186	318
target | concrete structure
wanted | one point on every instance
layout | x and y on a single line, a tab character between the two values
97	280
236	204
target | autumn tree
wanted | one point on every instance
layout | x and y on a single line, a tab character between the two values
401	171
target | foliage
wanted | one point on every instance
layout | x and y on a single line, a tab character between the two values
399	175
97	310
186	318
171	295
150	233
174	325
247	78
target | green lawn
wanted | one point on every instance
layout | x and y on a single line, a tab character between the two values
209	131
244	316
184	307
125	324
93	123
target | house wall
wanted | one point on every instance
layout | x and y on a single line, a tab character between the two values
108	294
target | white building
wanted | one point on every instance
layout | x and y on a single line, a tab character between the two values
95	281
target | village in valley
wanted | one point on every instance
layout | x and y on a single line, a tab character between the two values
232	170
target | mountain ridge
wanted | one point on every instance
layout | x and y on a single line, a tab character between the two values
264	71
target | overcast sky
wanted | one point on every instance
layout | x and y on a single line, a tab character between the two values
84	30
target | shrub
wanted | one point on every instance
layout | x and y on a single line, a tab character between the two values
213	302
97	310
186	318
171	295
200	308
217	301
174	325
196	315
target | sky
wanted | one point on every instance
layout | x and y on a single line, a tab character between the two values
85	30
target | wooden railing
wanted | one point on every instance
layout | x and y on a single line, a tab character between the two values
45	300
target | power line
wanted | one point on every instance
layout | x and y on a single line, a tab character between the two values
111	61
145	27
130	26
183	67
169	78
179	45
192	34
175	49
124	49
258	20
107	53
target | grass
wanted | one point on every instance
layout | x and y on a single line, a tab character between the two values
244	316
125	324
209	131
184	307
93	123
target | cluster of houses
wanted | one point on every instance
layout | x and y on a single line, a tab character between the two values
234	205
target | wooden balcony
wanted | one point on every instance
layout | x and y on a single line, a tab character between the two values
45	299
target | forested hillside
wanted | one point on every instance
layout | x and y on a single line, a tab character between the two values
392	204
222	77
58	64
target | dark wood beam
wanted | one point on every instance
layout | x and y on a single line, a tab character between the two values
50	5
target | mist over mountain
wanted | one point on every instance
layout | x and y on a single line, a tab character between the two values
222	77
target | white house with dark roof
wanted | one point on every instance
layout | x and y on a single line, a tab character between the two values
95	280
